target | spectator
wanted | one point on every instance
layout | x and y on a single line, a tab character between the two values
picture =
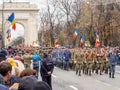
28	72
2	87
2	57
27	83
40	85
36	62
18	56
5	72
5	75
15	69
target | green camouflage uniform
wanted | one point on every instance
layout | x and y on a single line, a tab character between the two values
78	64
27	60
85	63
89	64
71	63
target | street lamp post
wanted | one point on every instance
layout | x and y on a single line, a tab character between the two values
2	34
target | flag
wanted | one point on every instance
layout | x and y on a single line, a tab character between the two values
82	40
97	43
97	32
76	33
9	37
11	19
8	31
87	43
54	35
56	43
14	27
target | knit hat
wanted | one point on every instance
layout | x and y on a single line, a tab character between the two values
2	87
40	85
27	83
12	62
4	52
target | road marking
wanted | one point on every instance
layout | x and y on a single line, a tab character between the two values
71	86
118	72
54	76
98	81
117	88
106	84
103	83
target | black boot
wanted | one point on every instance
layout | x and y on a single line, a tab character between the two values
113	76
109	75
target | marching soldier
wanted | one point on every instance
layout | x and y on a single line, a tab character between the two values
78	64
85	62
27	59
106	66
72	59
89	62
94	61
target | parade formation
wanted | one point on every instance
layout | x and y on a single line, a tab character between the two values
76	46
86	60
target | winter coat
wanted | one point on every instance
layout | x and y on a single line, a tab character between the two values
112	59
67	55
46	66
36	60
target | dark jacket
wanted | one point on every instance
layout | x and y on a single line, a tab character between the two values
46	65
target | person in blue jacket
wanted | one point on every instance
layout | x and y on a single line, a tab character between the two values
36	62
67	56
112	61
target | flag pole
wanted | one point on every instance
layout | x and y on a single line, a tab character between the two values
3	43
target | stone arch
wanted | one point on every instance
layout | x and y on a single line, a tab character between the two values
26	14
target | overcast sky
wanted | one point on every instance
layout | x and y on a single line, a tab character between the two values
40	3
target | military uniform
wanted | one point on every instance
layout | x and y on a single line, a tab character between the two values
72	60
27	60
89	63
85	63
78	64
94	62
105	62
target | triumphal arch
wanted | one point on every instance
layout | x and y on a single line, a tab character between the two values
26	14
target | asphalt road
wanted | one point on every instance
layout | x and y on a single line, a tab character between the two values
67	80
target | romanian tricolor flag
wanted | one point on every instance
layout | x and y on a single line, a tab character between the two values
56	43
9	35
11	19
97	43
76	33
82	40
8	31
87	43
